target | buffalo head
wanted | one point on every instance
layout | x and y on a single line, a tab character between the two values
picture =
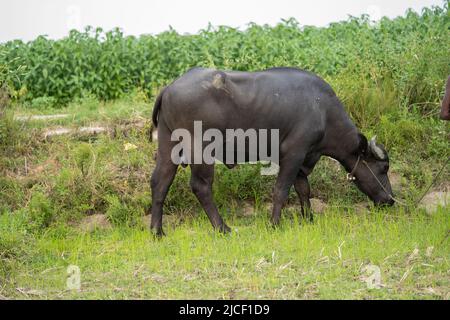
371	172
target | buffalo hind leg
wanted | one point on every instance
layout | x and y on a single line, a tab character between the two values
201	183
162	178
304	193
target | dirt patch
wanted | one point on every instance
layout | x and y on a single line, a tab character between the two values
48	165
432	201
92	130
31	173
41	118
56	132
396	180
146	220
95	129
95	222
48	134
248	210
318	206
361	207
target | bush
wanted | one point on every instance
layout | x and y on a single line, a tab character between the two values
120	213
10	133
85	158
14	242
109	64
43	103
41	211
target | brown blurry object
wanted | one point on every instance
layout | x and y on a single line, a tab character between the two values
445	110
4	99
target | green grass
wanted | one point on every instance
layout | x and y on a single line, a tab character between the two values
48	187
385	78
299	261
88	111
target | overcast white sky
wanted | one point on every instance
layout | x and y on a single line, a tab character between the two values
26	19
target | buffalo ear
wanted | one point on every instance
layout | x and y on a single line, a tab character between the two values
363	144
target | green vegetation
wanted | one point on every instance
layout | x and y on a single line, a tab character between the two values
409	54
324	260
390	77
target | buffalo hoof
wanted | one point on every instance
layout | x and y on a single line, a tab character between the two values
157	232
445	116
224	229
275	224
308	219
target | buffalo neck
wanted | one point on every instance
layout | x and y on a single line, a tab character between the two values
341	138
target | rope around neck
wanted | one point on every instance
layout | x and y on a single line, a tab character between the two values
351	176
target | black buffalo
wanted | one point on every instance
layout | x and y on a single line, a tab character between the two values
311	120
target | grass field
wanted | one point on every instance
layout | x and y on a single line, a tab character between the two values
80	198
44	229
325	260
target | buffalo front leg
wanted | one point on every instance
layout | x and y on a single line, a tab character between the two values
304	193
285	180
201	183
